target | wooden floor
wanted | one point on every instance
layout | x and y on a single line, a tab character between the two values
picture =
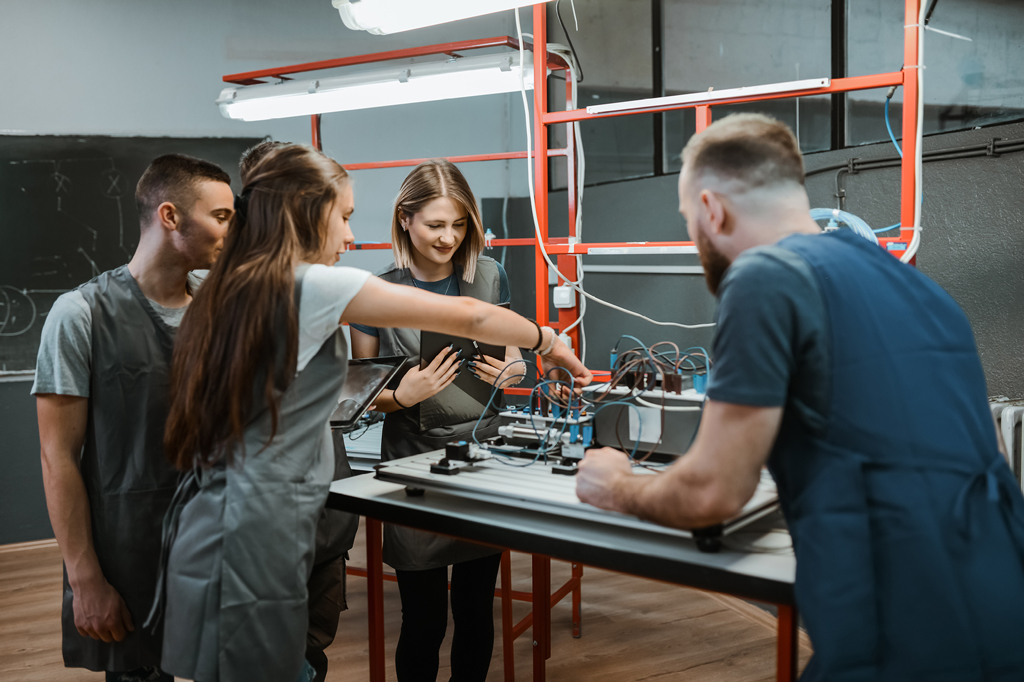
633	629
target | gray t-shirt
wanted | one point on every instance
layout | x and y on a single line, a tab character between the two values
771	347
65	348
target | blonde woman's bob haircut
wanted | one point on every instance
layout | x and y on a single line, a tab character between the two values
428	181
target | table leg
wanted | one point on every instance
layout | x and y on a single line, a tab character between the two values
507	638
787	657
541	615
375	597
577	597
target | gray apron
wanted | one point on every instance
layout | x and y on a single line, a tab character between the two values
429	425
128	480
242	538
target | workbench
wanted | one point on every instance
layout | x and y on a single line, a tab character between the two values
639	549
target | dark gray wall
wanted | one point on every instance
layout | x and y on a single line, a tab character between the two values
972	246
22	505
973	238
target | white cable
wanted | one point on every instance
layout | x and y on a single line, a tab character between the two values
566	54
915	242
536	220
668	408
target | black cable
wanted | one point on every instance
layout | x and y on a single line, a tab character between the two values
575	57
928	14
968	151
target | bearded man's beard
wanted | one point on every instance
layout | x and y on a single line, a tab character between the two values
714	261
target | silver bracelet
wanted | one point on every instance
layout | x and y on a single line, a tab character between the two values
550	347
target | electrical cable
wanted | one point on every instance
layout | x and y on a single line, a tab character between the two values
888	125
915	241
536	219
558	13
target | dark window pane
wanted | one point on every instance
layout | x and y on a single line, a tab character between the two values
966	84
733	43
614	47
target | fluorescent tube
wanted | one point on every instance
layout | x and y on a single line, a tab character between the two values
381	17
710	97
400	84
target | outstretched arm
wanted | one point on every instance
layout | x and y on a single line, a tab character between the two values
382	304
708	485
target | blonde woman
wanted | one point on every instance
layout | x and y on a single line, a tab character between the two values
437	237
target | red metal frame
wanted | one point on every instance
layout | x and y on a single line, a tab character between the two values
450	49
566	256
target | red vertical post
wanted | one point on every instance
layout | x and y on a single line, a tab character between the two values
540	146
507	641
541	615
317	142
375	597
703	117
908	182
787	656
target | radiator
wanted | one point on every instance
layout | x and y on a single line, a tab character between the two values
1008	415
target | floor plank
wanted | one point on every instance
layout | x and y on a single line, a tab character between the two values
633	629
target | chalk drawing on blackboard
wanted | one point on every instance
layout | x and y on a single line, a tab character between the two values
17	311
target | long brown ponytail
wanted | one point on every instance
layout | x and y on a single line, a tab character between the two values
239	337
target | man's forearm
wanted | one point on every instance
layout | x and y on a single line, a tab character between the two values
68	506
682	500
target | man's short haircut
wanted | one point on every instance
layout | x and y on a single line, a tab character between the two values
174	178
751	150
254	154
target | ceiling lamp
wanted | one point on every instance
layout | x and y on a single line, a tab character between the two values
381	17
400	84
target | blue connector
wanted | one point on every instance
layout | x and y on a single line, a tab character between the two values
588	434
574	433
614	356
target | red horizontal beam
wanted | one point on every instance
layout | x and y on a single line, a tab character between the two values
882	80
252	77
468	158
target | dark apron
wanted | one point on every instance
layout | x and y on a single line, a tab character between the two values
429	425
907	523
242	538
128	480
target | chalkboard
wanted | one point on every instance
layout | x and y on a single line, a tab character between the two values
67	214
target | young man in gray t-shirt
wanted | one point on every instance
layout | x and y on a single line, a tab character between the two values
101	394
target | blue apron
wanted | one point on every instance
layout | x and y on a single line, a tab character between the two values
907	523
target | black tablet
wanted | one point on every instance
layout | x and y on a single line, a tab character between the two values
432	343
365	380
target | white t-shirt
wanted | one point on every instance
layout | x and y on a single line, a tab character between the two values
326	292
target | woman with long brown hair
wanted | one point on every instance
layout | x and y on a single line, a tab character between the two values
437	238
258	367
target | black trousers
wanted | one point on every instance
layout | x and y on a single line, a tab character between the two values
425	619
326	602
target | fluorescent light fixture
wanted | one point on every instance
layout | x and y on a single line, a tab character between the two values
710	97
400	84
381	17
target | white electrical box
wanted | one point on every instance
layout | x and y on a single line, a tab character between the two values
565	297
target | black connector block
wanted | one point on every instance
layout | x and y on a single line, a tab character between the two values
457	450
564	469
444	467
